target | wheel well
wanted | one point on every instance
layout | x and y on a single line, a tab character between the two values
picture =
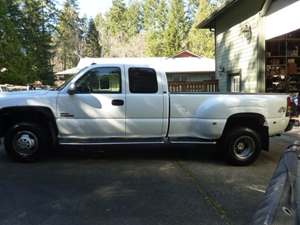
254	121
40	115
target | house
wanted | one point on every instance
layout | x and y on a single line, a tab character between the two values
185	54
185	72
257	45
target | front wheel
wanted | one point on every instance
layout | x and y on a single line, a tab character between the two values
242	146
25	142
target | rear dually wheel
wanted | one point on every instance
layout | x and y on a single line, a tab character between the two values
242	146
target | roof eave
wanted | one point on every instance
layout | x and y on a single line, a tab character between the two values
209	22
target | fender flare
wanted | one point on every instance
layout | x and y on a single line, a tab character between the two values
45	112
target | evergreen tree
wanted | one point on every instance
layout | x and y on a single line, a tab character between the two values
69	37
176	28
161	15
150	7
201	41
116	18
104	34
26	49
13	66
92	47
155	23
38	28
153	28
149	20
134	18
192	8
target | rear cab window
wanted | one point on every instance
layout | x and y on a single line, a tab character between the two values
142	80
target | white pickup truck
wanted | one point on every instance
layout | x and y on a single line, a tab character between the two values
130	104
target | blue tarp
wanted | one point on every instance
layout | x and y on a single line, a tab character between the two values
281	201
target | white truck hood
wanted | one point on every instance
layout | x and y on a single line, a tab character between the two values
24	93
44	98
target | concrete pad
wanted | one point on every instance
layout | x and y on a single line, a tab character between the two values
132	187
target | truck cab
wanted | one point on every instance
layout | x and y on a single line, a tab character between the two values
113	102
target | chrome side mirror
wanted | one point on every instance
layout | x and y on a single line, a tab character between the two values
72	89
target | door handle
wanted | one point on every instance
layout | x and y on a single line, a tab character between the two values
117	102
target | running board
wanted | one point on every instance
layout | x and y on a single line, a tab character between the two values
194	142
133	141
109	141
186	140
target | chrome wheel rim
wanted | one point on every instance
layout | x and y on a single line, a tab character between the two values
244	147
25	143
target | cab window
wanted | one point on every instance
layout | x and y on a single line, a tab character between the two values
100	80
142	80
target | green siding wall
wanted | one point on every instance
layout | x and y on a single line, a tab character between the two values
234	52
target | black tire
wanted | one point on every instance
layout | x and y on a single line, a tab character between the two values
242	146
25	142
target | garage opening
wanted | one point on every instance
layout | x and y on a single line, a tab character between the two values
283	63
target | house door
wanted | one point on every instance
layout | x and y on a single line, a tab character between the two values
234	82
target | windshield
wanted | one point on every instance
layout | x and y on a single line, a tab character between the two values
68	80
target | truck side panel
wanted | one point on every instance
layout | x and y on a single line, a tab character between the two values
205	115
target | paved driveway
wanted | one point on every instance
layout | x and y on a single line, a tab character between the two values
136	185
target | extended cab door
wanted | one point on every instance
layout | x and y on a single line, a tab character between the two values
145	112
97	108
